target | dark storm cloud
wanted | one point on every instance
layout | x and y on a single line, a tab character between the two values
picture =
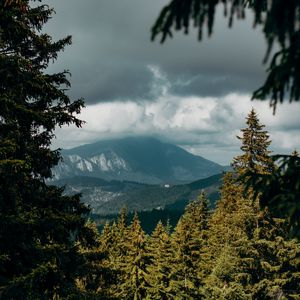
112	85
111	51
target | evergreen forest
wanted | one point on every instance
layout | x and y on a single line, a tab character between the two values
49	247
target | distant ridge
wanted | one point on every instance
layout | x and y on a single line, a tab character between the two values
108	197
139	159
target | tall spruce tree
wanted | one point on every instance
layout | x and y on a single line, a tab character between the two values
251	256
133	283
114	243
255	142
280	21
161	253
97	282
189	240
198	214
229	248
41	229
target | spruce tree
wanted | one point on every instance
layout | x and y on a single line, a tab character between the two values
229	251
133	284
114	244
119	251
251	256
198	215
97	282
280	22
231	225
189	242
276	269
107	237
161	252
41	228
255	142
122	231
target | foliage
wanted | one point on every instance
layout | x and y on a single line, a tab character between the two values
280	190
131	262
161	253
236	251
280	21
42	231
250	254
189	239
255	143
48	250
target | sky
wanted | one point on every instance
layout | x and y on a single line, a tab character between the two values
190	93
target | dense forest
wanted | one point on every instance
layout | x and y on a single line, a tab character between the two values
49	247
236	251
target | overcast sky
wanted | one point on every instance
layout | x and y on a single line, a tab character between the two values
193	94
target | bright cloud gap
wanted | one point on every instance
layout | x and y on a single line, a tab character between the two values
205	126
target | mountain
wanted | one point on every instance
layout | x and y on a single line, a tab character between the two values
108	197
139	159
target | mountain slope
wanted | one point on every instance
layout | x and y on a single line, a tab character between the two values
108	197
140	159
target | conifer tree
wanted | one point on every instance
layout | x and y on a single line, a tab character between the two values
189	240
280	22
114	238
107	237
276	269
122	231
245	243
123	220
114	245
184	272
229	243
134	267
119	250
111	262
41	229
255	142
198	212
161	252
114	241
96	283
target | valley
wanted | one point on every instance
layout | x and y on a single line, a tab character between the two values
155	179
108	197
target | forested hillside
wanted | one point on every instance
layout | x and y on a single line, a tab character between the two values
108	197
247	247
235	251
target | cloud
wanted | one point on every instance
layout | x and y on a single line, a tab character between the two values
112	49
206	126
193	94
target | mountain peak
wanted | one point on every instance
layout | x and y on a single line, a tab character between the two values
142	159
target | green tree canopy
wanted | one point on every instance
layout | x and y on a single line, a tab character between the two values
133	283
42	230
255	144
160	269
249	253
